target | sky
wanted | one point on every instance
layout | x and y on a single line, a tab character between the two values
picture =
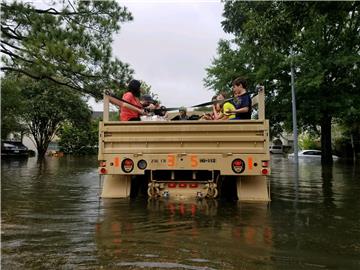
169	44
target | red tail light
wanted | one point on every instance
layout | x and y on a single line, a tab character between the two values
193	185
264	171
172	185
102	170
182	185
127	165
265	163
102	163
238	165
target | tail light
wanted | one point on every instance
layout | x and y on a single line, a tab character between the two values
103	171
265	171
102	163
238	165
127	165
265	163
193	185
172	185
182	185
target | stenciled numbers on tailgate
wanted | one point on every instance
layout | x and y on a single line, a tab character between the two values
194	161
171	161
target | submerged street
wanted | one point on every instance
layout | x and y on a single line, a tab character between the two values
52	218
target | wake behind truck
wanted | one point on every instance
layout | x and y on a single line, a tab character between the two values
186	159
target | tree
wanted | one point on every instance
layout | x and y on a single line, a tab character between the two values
45	106
68	43
11	108
79	139
350	122
321	38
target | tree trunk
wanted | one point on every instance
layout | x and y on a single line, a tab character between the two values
41	152
42	147
326	156
353	146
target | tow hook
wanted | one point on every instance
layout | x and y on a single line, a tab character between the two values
153	190
212	190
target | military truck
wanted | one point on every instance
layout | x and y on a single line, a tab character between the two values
186	159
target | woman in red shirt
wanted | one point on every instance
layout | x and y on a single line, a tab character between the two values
128	112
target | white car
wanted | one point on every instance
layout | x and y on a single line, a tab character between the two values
310	154
276	149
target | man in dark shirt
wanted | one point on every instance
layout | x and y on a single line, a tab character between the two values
182	115
241	100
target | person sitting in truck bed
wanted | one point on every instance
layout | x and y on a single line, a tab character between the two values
241	100
225	108
182	115
219	109
146	100
216	111
128	112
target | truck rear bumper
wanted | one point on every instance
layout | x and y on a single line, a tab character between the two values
249	188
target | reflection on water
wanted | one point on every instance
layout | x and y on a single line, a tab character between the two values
195	234
52	218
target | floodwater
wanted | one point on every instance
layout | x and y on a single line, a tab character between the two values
52	218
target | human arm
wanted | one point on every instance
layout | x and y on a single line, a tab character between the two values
120	103
235	111
244	102
223	117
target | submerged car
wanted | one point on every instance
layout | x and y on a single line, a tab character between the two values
310	154
276	149
13	148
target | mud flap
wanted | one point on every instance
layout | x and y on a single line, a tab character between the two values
252	188
116	186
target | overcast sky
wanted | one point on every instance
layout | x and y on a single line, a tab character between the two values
169	44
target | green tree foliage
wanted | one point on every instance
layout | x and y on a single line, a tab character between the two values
44	107
320	38
11	108
308	141
350	123
69	43
79	140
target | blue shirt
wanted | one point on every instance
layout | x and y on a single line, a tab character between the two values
243	101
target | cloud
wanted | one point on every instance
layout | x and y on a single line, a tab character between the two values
169	45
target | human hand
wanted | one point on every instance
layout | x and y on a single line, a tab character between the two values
230	111
143	112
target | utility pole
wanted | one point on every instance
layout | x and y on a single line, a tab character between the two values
293	101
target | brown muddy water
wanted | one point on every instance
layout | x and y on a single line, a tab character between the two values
52	218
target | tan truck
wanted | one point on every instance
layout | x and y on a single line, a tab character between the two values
182	159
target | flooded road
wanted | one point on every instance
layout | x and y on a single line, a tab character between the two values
52	218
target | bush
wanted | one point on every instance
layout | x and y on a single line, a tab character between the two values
307	141
79	140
